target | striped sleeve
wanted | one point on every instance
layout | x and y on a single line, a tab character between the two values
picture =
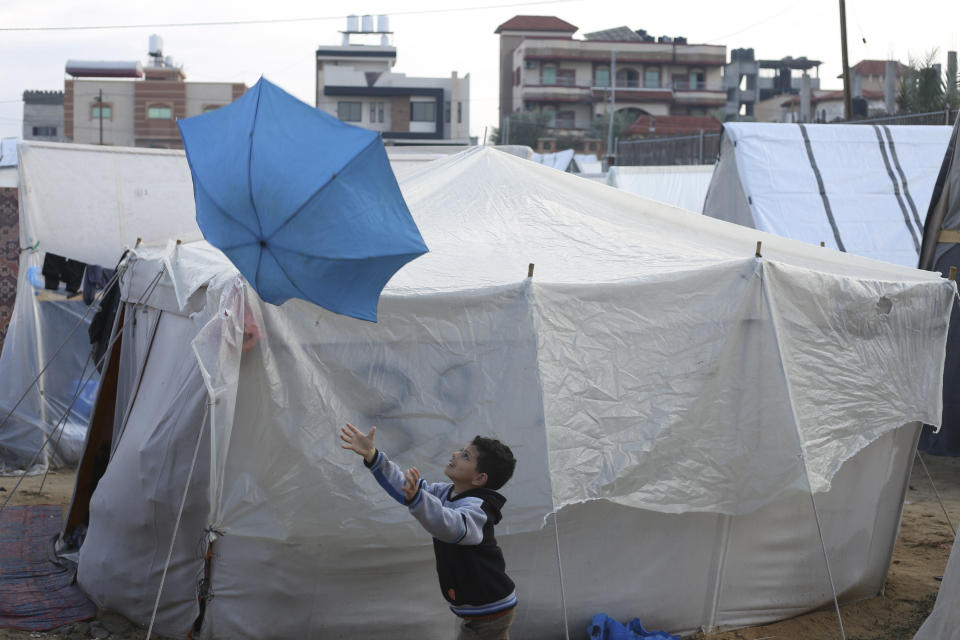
388	475
460	525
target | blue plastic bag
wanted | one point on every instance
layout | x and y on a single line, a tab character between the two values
603	627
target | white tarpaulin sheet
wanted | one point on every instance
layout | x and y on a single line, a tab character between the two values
680	186
653	376
863	189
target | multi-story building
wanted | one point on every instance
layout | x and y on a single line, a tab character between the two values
751	83
355	83
129	104
43	116
573	82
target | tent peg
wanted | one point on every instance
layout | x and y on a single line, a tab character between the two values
953	273
139	240
530	270
758	249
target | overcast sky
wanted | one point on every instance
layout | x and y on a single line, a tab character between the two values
435	37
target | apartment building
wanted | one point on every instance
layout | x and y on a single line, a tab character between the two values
130	104
356	83
573	81
43	116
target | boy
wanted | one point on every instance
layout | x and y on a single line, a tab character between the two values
460	516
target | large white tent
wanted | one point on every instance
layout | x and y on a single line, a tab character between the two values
86	203
699	429
683	186
859	188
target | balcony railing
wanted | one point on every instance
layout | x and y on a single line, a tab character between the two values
686	85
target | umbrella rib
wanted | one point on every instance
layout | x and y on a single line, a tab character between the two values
324	186
253	126
313	255
289	279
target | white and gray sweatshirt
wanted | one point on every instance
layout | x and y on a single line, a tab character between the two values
470	565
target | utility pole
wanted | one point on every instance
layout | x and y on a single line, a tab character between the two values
847	97
613	99
100	113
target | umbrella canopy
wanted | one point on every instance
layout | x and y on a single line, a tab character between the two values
304	205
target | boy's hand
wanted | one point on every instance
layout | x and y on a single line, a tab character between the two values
411	483
356	441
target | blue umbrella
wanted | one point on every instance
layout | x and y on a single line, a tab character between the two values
304	205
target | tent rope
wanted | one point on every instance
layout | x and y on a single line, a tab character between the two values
937	493
66	415
563	595
176	524
826	559
143	368
79	323
148	291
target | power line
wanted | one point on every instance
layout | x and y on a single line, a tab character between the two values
224	23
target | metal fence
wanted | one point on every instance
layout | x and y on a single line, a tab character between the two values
705	147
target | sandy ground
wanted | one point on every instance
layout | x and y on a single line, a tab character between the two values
919	559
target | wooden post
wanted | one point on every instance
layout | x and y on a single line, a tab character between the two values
758	249
953	273
139	240
530	270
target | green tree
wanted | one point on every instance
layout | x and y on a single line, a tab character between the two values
922	88
524	127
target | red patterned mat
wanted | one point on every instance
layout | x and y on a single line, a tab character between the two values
9	255
36	594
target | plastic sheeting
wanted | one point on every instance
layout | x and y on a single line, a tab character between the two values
680	186
859	188
943	623
86	203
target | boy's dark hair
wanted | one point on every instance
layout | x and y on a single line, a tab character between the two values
494	459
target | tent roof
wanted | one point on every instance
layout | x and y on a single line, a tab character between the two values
861	188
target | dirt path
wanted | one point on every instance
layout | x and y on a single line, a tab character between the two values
919	558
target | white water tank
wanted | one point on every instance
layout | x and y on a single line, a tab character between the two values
352	22
155	46
367	24
383	24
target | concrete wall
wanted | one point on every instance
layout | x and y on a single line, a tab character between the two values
43	115
201	95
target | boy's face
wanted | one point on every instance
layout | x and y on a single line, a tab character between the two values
462	469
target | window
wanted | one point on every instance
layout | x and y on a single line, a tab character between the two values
159	112
459	112
698	80
104	111
45	131
566	77
373	112
349	111
651	79
446	111
423	112
379	112
549	74
566	119
211	107
628	78
601	77
529	64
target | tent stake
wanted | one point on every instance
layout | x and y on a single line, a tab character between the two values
758	249
139	240
530	270
953	273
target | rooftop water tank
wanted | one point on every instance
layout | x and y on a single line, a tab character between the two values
383	24
353	22
367	24
156	45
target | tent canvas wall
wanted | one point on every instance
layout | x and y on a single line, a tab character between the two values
861	189
680	186
943	623
86	203
666	393
940	251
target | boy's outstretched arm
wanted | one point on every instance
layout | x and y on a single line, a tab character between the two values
355	440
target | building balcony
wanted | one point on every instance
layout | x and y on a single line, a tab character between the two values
633	94
700	98
554	93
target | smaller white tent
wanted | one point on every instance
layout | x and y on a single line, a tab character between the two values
683	186
862	188
944	621
85	203
8	162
